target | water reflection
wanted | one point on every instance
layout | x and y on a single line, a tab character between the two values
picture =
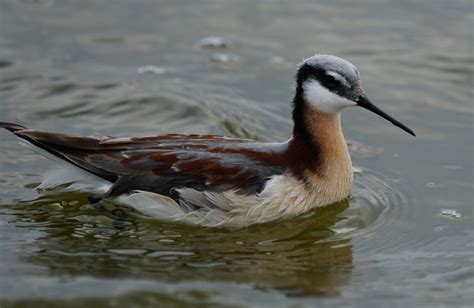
298	256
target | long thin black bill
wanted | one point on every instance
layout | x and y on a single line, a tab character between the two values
364	102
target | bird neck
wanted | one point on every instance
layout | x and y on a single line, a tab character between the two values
318	149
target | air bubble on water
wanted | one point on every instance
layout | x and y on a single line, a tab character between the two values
215	42
224	58
153	69
451	213
357	170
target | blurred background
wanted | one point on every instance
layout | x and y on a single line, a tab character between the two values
142	67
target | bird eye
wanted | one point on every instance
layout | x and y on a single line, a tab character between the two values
330	81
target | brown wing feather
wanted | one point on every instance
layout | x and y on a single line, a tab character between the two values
162	163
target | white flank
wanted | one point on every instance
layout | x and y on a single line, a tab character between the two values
283	197
78	179
67	173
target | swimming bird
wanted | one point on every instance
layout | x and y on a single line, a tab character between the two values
214	180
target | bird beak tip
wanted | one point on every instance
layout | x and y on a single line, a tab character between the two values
364	102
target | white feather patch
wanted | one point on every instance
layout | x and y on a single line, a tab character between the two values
151	204
78	179
283	197
66	173
324	100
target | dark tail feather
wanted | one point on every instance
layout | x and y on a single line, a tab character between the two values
11	126
17	130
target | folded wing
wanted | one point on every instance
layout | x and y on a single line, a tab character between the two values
165	163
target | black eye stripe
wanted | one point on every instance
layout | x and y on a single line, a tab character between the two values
332	83
330	80
307	71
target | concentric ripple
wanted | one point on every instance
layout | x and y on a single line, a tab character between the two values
315	249
380	216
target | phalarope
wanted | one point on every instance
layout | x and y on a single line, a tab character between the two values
214	180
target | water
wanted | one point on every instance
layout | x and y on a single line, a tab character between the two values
118	68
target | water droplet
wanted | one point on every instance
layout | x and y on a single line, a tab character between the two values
215	42
451	213
151	69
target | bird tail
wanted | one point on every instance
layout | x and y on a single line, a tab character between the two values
70	168
11	126
72	150
16	129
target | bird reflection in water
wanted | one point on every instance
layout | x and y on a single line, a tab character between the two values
300	256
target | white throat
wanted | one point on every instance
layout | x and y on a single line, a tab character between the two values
323	100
